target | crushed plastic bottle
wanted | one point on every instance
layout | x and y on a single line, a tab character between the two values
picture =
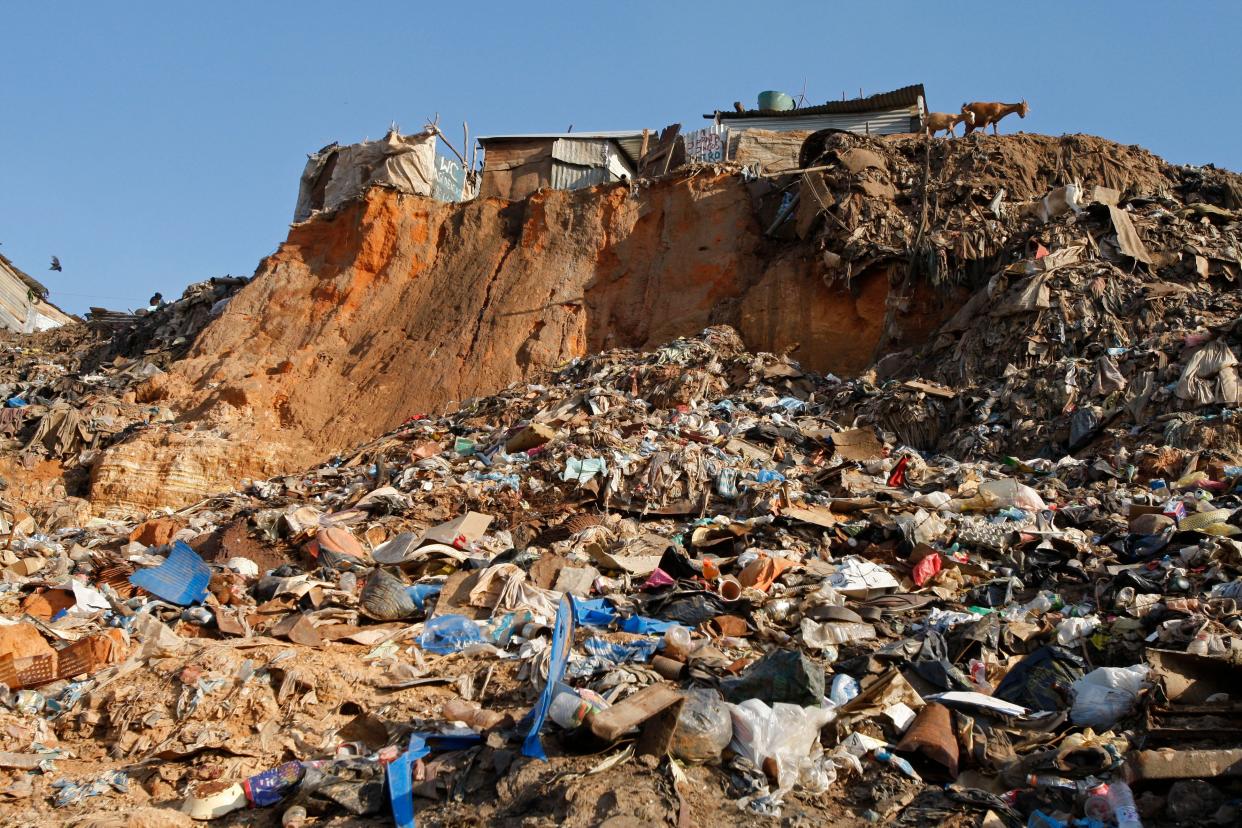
1124	810
886	756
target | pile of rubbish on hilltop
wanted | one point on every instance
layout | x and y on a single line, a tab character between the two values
68	392
680	573
1100	314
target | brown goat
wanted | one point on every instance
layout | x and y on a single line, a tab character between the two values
934	122
990	113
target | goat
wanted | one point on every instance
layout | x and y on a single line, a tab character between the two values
991	112
933	122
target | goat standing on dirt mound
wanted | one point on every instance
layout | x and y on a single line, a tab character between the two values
933	122
989	113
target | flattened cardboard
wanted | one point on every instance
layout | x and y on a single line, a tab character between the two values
857	444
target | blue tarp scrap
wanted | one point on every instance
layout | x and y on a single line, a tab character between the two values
70	792
181	579
401	769
647	626
562	643
620	652
603	655
596	612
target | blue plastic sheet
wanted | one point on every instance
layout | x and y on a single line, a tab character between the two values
449	634
648	626
419	593
604	655
562	643
582	469
621	651
181	579
791	404
401	770
596	612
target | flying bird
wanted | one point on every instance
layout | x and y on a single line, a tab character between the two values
55	263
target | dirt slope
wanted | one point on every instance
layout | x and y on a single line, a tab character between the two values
398	305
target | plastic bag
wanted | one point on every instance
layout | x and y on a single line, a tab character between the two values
704	727
1002	494
449	634
1106	694
1073	631
786	733
780	676
844	688
1042	679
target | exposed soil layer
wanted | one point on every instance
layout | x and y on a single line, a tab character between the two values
397	305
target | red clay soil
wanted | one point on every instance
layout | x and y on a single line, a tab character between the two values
398	304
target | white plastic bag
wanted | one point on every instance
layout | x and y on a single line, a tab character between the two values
1073	631
1106	694
786	733
1009	492
931	500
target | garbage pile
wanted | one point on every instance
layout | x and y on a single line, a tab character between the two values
71	391
673	586
1102	309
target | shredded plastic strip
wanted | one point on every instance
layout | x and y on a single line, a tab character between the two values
562	642
400	785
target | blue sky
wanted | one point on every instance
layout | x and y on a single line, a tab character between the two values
150	145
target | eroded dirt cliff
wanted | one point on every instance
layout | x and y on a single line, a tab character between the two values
397	305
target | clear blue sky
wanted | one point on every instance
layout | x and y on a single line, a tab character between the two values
150	145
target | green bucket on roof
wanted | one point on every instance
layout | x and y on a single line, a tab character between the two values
778	101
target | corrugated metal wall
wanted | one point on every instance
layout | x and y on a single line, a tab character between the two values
583	152
874	123
580	163
16	312
571	176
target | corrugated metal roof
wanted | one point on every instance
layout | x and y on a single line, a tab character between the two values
873	123
907	96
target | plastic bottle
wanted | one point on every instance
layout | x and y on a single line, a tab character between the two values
884	755
569	709
1124	811
1063	783
677	643
1097	806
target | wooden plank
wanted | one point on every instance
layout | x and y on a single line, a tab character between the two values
659	158
653	699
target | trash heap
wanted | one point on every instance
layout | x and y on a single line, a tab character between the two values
71	391
992	581
674	585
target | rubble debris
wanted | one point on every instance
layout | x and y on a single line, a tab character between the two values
996	577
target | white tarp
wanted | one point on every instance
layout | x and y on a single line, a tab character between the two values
336	174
